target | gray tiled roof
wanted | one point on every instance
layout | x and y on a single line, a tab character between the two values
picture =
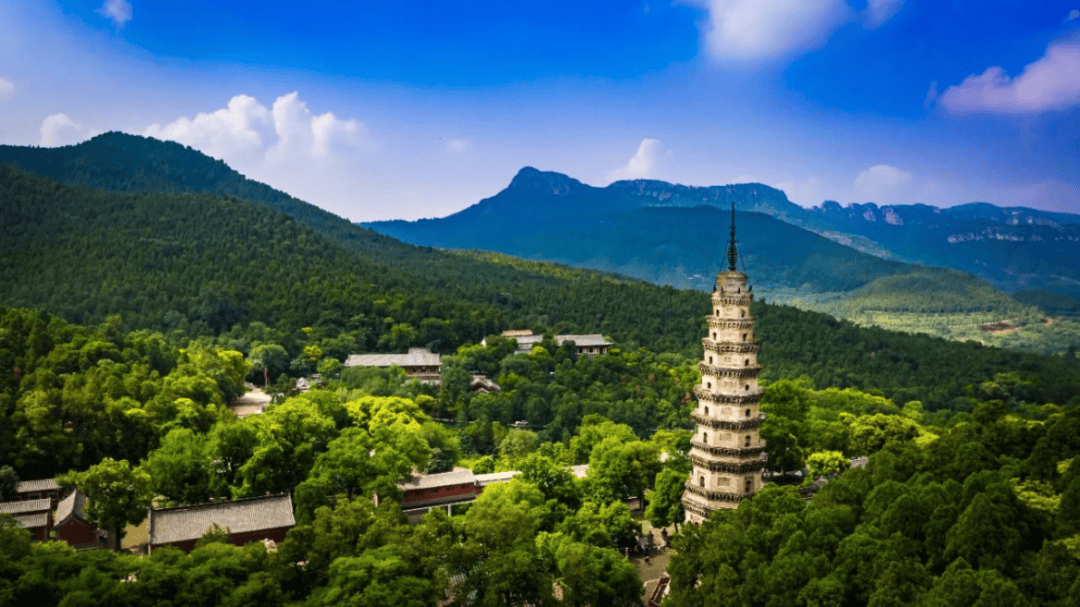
417	357
495	477
32	520
594	339
72	505
25	507
457	476
44	484
240	516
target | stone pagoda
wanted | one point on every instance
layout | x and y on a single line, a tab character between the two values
727	452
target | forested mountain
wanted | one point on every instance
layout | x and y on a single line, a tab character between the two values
971	494
656	231
205	264
199	265
1015	249
650	229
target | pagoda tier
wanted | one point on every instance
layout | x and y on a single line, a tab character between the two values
727	453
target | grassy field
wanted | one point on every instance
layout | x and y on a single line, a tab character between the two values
1025	328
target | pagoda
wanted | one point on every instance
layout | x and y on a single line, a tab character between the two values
727	452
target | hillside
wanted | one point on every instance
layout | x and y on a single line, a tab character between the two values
199	265
667	235
1015	249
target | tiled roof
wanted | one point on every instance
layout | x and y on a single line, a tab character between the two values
72	505
32	520
580	471
457	476
44	484
240	516
417	357
495	477
583	340
25	507
527	341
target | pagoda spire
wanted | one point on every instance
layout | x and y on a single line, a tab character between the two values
732	252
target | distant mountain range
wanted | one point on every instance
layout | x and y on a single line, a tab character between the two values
673	234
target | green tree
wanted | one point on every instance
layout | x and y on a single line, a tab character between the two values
827	463
665	501
9	482
619	470
117	494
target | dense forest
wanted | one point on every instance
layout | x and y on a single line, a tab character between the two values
131	321
954	506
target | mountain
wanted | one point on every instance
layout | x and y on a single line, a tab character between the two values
234	271
1015	248
668	234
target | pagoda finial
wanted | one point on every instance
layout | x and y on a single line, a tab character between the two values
732	253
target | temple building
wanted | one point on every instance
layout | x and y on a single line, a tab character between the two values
727	452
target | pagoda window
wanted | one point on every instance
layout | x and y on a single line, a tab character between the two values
701	481
708	385
714	334
710	360
746	363
749	485
742	313
748	413
744	336
706	410
746	388
747	440
705	437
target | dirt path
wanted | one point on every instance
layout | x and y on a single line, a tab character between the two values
254	401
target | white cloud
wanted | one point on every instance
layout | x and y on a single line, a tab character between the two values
224	133
1074	14
749	30
807	193
7	89
117	10
247	131
300	132
58	129
457	146
643	164
880	11
881	183
1052	82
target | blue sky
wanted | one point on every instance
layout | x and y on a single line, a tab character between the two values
380	110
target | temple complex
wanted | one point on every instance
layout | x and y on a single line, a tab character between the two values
727	452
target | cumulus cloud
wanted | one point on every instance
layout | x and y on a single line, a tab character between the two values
58	129
881	183
247	130
644	162
299	131
1052	82
750	30
119	11
1073	15
880	11
238	127
7	89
